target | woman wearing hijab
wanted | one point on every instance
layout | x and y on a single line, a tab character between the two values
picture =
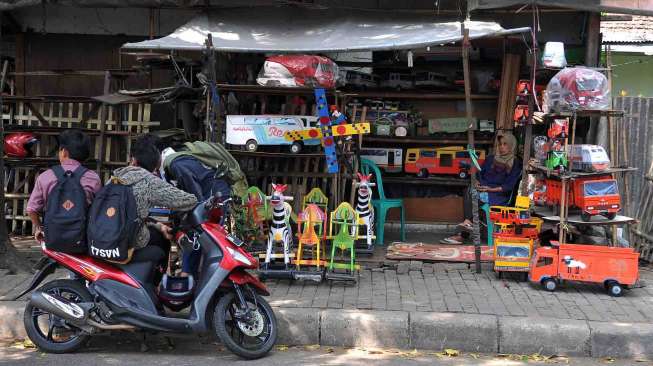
498	177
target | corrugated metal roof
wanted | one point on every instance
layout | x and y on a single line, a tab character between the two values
637	30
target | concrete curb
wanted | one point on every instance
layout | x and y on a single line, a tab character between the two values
11	320
435	331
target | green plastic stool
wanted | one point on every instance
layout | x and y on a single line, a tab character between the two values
382	204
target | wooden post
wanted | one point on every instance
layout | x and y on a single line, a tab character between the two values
471	126
103	123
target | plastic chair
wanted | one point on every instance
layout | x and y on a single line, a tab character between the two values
383	204
343	231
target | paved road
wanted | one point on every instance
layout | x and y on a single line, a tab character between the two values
127	352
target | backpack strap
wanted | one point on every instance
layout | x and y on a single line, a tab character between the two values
79	173
58	172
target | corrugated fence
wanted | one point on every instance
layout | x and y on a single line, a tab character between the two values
633	144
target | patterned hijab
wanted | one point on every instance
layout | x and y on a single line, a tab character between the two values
509	158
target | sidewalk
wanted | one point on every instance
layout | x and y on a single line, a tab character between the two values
441	305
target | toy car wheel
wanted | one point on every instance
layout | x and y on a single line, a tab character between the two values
463	174
615	289
423	173
251	145
296	147
611	215
585	216
550	284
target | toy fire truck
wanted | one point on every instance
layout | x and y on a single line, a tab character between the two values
614	268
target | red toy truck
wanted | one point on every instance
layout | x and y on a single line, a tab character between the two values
615	268
592	195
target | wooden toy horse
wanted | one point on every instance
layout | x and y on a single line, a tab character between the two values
364	207
280	230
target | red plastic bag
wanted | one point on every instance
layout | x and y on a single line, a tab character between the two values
298	71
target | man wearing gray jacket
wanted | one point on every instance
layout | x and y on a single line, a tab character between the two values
151	191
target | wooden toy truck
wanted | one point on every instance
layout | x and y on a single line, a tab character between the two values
592	195
615	268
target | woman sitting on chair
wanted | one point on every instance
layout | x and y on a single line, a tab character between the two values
498	177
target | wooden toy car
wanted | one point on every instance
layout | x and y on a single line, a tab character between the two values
512	254
530	230
556	160
589	158
389	159
592	195
559	128
615	268
510	215
453	160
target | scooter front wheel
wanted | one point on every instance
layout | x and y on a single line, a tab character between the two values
249	334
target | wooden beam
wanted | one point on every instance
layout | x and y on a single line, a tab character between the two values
471	126
37	114
103	123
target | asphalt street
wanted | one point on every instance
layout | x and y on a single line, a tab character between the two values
129	350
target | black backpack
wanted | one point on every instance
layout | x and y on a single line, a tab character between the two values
64	221
113	223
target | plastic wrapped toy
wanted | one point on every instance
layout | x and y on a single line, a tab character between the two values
298	71
577	88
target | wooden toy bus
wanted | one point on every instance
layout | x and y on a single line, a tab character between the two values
453	160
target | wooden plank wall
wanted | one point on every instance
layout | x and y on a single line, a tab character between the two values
123	123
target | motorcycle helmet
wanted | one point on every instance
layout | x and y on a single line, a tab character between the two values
18	145
176	293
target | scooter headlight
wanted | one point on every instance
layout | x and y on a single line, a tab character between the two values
239	256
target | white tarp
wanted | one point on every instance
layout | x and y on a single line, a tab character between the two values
285	29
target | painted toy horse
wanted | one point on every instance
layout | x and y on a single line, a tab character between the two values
364	206
280	230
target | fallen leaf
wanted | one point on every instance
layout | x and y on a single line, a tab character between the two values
282	348
475	356
24	344
328	350
372	352
641	360
523	358
536	357
608	360
451	352
312	347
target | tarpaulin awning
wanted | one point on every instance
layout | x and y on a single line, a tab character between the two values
285	29
636	7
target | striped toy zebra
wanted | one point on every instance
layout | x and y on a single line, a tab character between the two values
364	206
280	230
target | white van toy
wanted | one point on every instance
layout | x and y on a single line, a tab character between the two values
589	158
254	130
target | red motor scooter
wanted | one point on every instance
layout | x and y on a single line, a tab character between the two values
62	314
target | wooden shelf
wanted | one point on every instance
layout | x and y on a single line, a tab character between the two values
574	218
417	95
417	140
280	155
573	174
57	130
583	113
254	89
430	181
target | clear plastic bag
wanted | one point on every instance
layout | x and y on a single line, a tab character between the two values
577	88
298	71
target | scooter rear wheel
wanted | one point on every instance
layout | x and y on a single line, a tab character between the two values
49	332
250	338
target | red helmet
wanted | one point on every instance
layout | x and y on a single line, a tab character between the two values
17	145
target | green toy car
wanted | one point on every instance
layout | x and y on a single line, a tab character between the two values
557	160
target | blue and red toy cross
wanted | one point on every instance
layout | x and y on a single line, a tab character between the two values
329	127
